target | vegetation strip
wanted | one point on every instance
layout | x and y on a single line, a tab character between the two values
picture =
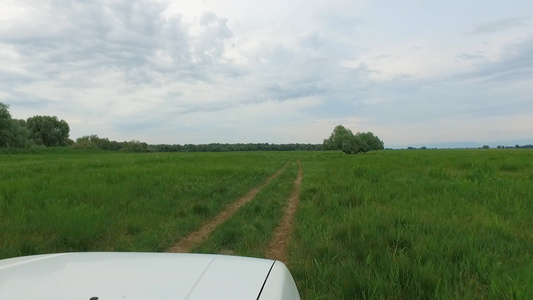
186	244
280	240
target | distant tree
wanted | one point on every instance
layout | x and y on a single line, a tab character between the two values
217	147
343	139
48	131
337	138
372	141
13	133
84	142
4	112
134	146
95	142
352	144
6	124
485	147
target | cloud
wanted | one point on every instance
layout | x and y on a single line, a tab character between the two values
498	25
132	38
471	56
515	64
77	58
201	71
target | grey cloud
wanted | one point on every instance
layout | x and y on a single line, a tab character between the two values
475	94
30	102
132	37
475	59
499	109
470	56
293	90
312	41
183	109
151	74
209	44
309	66
341	22
499	25
516	64
128	125
383	56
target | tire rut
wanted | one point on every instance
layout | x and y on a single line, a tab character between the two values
187	243
277	249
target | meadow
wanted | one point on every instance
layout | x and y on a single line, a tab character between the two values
423	224
400	224
89	201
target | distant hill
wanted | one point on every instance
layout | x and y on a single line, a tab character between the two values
454	145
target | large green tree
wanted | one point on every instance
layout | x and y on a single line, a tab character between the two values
13	133
343	139
95	142
48	131
5	125
339	135
373	142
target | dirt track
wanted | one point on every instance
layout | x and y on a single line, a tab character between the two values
186	244
277	249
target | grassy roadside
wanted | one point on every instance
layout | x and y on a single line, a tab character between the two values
416	225
250	230
108	201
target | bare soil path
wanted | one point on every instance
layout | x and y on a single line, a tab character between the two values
187	243
277	249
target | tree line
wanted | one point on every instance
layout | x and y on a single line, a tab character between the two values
37	130
95	142
528	146
49	131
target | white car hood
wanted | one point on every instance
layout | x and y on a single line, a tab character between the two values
111	275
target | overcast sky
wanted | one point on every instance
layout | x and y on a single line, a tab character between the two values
182	71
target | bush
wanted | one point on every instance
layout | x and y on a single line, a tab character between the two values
134	146
343	139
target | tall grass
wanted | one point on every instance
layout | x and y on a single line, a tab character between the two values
416	225
250	230
433	224
108	201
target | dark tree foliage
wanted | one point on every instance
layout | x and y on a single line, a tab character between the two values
528	146
48	131
95	142
13	133
134	146
343	139
338	137
217	147
372	141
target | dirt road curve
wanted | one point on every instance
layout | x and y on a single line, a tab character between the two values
278	246
186	244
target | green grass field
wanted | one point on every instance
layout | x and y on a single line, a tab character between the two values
121	202
447	224
421	224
